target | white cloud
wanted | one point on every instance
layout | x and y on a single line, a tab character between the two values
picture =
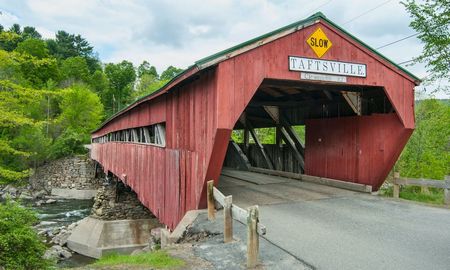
45	33
7	18
177	33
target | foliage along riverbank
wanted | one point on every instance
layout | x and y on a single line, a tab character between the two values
53	92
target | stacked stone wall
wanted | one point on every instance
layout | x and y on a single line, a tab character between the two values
77	172
117	201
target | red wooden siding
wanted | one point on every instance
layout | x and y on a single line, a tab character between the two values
200	115
143	115
355	149
240	76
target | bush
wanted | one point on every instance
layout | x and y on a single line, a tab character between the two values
20	246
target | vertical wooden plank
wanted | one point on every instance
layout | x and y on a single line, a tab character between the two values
246	140
447	190
227	220
396	186
210	195
182	194
252	236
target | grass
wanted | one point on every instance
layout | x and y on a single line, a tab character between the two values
157	259
435	196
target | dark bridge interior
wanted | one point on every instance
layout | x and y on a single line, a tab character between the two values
284	106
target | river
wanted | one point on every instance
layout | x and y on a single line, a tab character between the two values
63	213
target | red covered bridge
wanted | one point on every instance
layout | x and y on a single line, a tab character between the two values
356	105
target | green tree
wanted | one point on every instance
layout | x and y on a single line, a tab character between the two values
38	71
30	32
146	69
74	69
34	47
10	68
19	118
67	45
146	85
99	82
9	40
427	153
121	79
431	19
15	28
170	73
81	109
81	112
20	246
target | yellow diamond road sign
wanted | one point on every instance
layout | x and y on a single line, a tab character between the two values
319	42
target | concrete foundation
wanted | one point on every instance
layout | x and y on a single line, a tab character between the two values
67	193
94	237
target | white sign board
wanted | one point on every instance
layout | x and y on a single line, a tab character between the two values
322	77
327	67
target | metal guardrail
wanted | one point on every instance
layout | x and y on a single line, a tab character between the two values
444	184
250	217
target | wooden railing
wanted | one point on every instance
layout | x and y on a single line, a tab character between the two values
445	184
232	211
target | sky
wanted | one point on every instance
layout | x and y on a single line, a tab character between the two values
180	32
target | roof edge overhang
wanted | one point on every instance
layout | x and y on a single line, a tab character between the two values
241	48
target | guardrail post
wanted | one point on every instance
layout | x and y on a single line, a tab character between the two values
227	220
396	186
210	195
252	236
447	190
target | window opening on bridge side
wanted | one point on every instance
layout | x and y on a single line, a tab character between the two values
152	134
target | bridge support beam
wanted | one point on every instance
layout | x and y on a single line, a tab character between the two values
250	128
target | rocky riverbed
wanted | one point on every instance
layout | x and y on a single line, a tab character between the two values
58	217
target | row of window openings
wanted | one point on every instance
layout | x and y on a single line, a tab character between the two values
154	134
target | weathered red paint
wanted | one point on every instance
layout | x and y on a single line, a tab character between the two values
356	149
201	113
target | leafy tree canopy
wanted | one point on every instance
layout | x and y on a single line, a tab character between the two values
431	19
74	69
146	69
170	73
30	32
121	78
34	47
81	109
9	40
67	45
427	153
18	106
15	28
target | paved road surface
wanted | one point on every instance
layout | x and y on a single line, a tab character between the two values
330	228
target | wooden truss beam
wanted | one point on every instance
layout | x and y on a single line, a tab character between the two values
243	160
250	128
291	103
288	134
354	100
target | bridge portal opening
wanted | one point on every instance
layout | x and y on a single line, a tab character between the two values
273	131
